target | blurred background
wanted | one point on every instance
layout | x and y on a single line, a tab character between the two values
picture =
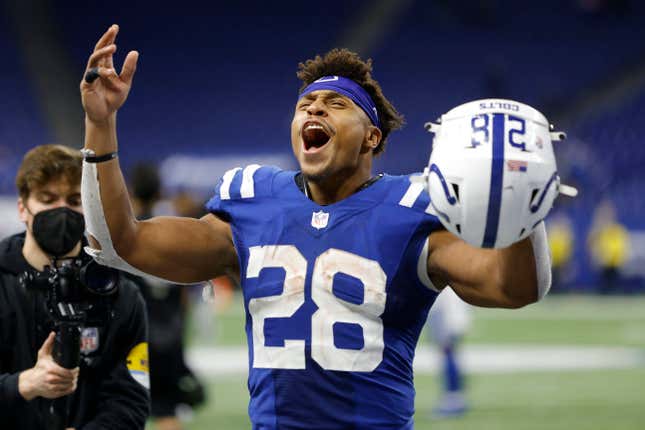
216	86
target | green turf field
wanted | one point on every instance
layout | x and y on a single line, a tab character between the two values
574	399
600	400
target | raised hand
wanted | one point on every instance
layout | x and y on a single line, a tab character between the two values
104	96
47	379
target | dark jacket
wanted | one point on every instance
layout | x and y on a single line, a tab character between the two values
108	396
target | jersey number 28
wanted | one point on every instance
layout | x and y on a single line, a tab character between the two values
331	309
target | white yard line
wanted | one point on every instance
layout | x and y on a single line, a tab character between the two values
576	307
210	361
577	316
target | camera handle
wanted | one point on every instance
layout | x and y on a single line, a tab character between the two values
67	346
67	353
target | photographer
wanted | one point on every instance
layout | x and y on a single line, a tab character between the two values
108	389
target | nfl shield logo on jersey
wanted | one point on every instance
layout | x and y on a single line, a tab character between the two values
319	219
89	340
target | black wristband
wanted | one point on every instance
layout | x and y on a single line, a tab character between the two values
101	158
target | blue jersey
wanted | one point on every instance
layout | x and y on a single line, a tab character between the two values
335	298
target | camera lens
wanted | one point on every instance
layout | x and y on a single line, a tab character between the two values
98	279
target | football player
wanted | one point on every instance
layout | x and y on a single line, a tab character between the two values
338	266
448	321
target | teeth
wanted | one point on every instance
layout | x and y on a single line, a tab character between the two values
313	127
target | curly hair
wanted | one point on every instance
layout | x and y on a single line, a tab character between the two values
343	62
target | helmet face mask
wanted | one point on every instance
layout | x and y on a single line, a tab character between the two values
492	174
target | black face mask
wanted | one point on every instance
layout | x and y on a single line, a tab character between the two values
57	231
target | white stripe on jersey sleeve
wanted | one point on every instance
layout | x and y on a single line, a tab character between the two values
422	268
430	210
411	195
248	190
225	188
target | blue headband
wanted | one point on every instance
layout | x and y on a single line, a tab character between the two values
348	88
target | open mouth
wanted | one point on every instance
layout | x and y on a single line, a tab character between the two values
314	135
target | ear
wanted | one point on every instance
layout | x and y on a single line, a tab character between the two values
372	138
22	210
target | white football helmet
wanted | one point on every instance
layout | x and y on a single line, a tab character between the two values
492	175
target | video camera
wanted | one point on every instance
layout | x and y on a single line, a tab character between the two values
77	294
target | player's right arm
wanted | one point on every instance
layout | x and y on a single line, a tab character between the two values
178	249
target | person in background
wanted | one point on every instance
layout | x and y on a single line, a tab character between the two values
109	389
449	320
609	246
174	389
561	244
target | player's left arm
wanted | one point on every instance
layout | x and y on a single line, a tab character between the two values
509	277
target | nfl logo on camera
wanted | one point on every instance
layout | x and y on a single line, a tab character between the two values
319	219
89	340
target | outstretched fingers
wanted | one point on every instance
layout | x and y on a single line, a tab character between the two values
129	67
101	61
102	57
105	41
108	37
103	90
